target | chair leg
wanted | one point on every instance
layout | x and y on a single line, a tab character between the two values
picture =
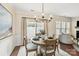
45	52
37	52
26	53
54	54
57	49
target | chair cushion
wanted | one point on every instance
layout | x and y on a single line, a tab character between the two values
31	46
35	38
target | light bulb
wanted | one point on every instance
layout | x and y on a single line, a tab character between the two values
42	14
34	16
50	16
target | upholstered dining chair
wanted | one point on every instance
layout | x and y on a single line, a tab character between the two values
49	47
57	44
29	46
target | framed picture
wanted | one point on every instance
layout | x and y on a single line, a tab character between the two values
5	22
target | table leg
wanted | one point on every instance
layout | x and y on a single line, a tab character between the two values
39	51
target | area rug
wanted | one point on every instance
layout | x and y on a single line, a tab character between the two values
69	49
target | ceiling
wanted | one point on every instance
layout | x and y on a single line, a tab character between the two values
59	9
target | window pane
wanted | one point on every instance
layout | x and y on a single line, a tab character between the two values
63	31
68	25
30	29
62	27
30	32
63	24
31	24
57	31
58	24
67	31
40	26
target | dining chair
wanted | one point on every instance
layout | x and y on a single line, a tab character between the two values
49	47
29	47
57	44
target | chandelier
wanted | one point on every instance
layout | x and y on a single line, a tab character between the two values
43	18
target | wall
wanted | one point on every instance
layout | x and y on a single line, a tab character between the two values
16	24
52	24
74	21
12	11
19	33
6	46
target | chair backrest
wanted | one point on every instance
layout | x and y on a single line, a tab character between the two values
50	45
50	42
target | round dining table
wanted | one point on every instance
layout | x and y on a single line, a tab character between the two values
40	43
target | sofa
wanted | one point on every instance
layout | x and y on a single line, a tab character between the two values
66	39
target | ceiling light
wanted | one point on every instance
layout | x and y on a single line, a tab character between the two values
43	15
43	18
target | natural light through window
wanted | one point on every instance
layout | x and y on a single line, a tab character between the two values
31	28
62	27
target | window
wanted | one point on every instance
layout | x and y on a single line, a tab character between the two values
40	26
58	27
32	27
62	27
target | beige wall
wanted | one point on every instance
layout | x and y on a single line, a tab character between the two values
74	20
16	24
52	24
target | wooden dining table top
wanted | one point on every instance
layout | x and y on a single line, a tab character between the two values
39	42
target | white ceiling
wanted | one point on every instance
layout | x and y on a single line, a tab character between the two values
60	9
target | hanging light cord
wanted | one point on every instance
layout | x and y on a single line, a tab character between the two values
42	7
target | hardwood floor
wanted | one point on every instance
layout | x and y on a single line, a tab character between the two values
15	51
64	50
20	51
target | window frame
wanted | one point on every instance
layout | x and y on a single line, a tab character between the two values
61	27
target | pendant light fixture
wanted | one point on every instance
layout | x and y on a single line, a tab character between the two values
43	14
